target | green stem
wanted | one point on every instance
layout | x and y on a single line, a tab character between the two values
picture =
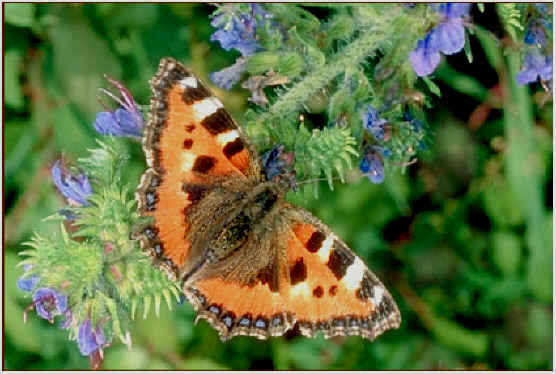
524	173
354	53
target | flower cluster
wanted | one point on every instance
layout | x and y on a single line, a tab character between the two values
537	63
48	301
237	30
448	37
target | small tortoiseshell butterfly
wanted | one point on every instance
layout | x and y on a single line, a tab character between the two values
248	261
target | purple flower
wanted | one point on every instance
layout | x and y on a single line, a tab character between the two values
272	163
88	340
425	58
239	31
49	303
453	10
536	31
76	188
66	323
29	283
124	121
373	123
535	66
447	37
228	77
372	164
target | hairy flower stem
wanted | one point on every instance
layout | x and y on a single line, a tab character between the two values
354	53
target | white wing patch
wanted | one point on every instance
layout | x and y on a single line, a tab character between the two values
228	136
324	251
204	108
354	275
300	289
188	159
188	82
378	295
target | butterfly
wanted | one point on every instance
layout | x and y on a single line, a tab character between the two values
249	262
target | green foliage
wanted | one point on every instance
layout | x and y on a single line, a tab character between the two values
511	18
327	67
102	271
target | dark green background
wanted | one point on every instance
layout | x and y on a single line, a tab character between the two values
462	238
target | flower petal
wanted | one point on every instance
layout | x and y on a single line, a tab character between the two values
425	58
372	164
449	37
526	76
228	77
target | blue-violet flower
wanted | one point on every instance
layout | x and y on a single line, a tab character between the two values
228	77
536	31
272	163
124	121
372	164
49	303
373	123
29	283
535	66
447	37
239	31
88	340
76	188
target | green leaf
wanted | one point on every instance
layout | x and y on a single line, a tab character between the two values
19	14
12	89
506	251
467	49
432	86
474	343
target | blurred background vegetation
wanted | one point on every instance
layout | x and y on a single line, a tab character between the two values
463	240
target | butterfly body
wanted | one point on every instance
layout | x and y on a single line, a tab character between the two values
248	261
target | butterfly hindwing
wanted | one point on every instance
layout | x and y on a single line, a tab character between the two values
192	145
332	290
325	287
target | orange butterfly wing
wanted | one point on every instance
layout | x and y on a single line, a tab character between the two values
328	289
191	143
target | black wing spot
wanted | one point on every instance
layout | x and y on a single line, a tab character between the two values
218	122
318	292
187	143
203	164
315	241
191	94
233	148
340	259
298	272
